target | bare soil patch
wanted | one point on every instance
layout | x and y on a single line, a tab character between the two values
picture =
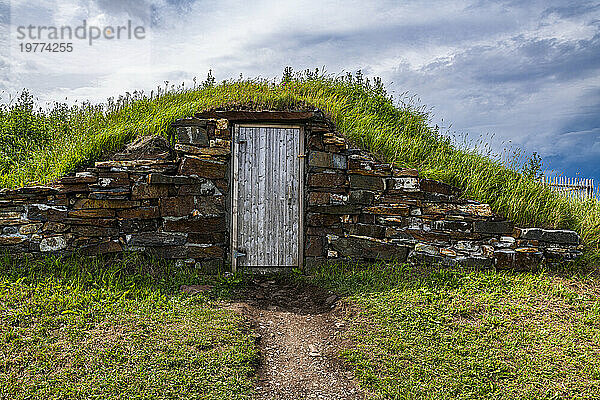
299	331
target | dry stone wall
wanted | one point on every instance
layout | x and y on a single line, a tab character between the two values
148	198
363	210
173	202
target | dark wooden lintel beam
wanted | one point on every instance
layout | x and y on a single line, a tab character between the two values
271	116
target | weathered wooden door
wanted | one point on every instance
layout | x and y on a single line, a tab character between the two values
267	196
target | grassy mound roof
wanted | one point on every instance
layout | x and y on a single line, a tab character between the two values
38	146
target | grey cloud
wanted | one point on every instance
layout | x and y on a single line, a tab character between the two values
136	9
578	139
177	10
53	81
526	61
572	10
587	118
4	12
182	5
404	34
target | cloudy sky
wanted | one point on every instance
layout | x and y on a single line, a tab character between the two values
521	72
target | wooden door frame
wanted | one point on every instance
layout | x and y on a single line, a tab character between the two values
234	176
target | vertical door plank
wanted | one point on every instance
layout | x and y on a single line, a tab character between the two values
253	227
300	193
281	199
294	212
244	173
242	195
234	202
285	192
288	228
269	212
262	196
268	237
294	208
276	189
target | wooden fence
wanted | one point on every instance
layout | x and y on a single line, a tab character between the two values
575	188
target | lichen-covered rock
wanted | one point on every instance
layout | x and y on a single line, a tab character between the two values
551	236
146	148
327	160
366	182
53	244
195	135
152	239
203	168
493	227
365	248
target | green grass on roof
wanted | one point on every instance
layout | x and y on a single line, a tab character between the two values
38	146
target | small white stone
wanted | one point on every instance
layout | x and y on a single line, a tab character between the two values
427	249
53	243
104	182
415	212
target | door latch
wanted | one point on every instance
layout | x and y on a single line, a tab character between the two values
238	254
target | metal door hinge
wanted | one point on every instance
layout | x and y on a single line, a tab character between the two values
237	254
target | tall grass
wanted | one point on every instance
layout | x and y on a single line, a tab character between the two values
397	130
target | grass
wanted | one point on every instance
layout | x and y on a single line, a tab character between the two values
120	329
86	329
397	130
451	334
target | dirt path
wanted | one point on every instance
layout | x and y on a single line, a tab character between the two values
299	328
